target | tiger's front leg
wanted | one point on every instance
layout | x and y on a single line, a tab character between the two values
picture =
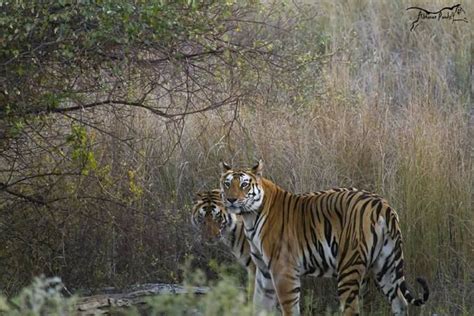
264	298
286	279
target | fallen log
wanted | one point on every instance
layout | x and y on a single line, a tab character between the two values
102	303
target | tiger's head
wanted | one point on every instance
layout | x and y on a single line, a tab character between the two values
210	216
242	189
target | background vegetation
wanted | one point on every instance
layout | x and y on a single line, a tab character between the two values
114	113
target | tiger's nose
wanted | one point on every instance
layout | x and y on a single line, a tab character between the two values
231	200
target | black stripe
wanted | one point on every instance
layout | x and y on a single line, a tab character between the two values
266	274
327	229
292	301
256	226
374	245
295	290
249	260
256	256
266	291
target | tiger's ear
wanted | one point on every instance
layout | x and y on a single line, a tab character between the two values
258	168
198	196
224	167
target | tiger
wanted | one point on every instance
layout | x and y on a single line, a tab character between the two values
344	233
210	216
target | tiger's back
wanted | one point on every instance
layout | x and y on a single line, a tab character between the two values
315	224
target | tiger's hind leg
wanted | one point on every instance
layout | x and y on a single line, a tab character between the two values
348	292
388	275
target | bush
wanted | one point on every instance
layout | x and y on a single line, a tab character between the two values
42	297
226	297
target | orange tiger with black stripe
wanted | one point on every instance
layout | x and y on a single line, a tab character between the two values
344	233
210	216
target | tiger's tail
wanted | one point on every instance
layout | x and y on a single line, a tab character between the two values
410	299
396	234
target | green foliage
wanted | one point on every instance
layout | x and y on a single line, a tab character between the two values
82	153
54	52
225	297
42	297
